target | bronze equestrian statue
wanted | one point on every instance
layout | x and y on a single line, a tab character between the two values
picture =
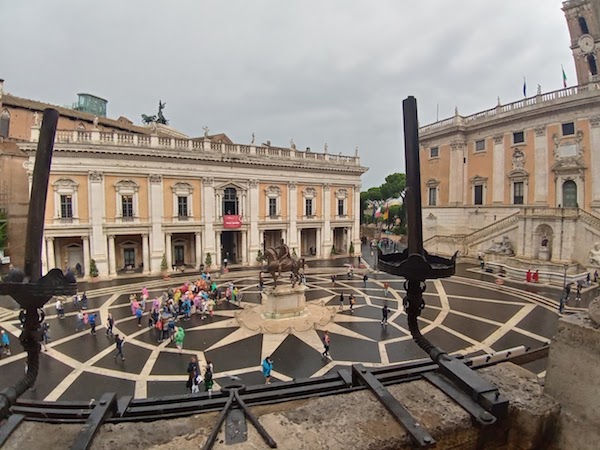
279	260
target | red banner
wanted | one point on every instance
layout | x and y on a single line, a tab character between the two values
232	221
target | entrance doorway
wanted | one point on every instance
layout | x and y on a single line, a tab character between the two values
308	245
179	254
230	243
129	258
75	259
339	240
569	191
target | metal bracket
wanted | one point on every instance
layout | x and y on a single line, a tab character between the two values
234	395
103	409
361	375
10	425
478	413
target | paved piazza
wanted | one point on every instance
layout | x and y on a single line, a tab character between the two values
462	315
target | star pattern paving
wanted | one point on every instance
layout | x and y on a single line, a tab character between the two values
462	316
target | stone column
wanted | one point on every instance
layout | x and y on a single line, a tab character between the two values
169	250
97	213
244	247
498	174
261	240
198	237
319	244
112	256
256	237
156	207
540	195
86	254
210	246
218	256
595	154
327	219
145	254
45	268
356	226
455	194
299	240
292	215
51	254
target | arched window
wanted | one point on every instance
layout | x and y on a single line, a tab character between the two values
592	63
583	26
230	201
4	123
569	191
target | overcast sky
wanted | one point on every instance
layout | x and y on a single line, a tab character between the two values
317	71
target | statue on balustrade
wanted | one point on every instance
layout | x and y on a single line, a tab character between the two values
160	117
595	254
503	247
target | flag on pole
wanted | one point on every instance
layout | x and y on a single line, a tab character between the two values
524	87
564	76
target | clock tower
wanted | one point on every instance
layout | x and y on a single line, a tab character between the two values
583	20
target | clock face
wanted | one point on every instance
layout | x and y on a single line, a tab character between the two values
586	43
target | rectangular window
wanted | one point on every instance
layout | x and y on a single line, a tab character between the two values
66	207
341	202
519	137
432	196
480	145
272	207
434	152
478	194
127	206
519	193
568	129
308	206
182	206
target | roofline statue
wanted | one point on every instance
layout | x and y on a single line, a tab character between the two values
157	118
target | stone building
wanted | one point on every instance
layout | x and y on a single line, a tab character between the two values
523	172
126	195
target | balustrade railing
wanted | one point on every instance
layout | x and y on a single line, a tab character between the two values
154	141
500	109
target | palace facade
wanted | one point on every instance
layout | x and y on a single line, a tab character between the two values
524	170
129	196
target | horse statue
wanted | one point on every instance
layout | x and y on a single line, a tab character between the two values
148	119
279	261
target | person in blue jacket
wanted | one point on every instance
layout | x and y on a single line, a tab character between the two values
267	366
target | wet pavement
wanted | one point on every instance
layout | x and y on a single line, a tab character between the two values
465	314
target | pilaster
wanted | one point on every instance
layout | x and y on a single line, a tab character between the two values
498	174
146	253
85	241
256	239
541	166
97	213
112	255
327	219
456	178
51	254
210	245
169	250
156	206
292	214
595	158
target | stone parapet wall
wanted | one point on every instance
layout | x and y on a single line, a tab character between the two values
350	421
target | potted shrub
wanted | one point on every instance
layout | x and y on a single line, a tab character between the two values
351	249
93	269
208	261
164	268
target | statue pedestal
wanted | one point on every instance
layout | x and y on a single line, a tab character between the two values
544	254
284	302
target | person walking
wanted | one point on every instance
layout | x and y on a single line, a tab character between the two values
578	293
179	337
192	370
138	315
119	345
596	276
365	279
45	335
92	322
342	301
5	341
60	310
79	324
386	288
110	323
567	292
196	381
84	301
267	366
352	301
208	378
326	343
587	279
385	312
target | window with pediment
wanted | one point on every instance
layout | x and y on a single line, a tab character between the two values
65	199
127	200
273	202
310	202
341	196
182	201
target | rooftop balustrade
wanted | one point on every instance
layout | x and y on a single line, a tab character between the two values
113	138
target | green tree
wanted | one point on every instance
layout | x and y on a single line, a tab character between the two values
163	264
394	186
93	269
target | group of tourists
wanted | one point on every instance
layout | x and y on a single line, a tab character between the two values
197	379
